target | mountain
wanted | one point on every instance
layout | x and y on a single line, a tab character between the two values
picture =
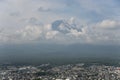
64	26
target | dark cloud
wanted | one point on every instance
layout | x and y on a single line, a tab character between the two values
15	14
42	9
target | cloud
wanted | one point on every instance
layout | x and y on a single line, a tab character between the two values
41	9
15	14
71	32
30	33
27	34
51	34
76	33
104	32
109	24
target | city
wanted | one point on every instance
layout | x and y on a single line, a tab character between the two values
79	71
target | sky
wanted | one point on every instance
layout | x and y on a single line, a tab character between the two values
60	21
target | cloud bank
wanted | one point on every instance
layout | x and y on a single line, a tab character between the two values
64	31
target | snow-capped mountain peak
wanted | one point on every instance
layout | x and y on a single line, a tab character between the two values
65	26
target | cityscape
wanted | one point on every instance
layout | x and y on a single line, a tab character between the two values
80	71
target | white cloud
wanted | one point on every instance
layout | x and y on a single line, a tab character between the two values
76	33
30	33
97	33
109	24
51	34
104	32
